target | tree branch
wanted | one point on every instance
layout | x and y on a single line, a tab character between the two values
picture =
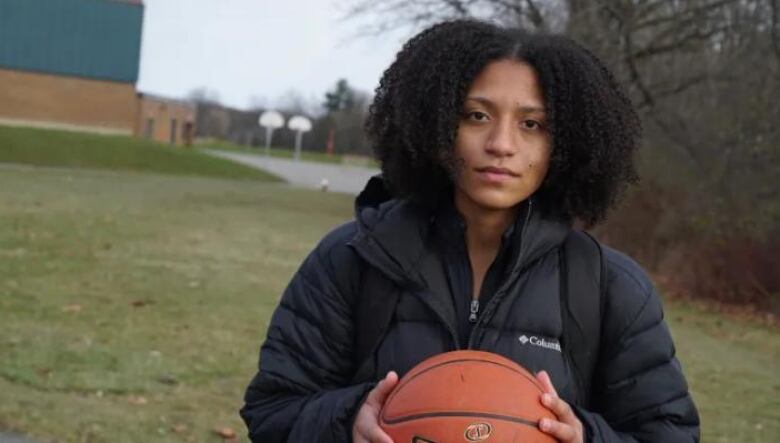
687	14
680	87
648	98
534	15
775	5
695	35
457	6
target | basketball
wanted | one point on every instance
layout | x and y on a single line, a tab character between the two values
466	396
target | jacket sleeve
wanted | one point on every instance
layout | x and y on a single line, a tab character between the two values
641	393
302	390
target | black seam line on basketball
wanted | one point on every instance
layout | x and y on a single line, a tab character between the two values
461	414
534	381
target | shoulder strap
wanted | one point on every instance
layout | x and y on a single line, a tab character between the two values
583	289
372	313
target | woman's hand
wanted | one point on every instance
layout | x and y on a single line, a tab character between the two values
568	428
366	428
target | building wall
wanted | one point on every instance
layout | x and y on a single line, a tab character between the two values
51	100
166	121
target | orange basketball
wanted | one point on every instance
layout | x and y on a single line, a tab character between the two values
465	396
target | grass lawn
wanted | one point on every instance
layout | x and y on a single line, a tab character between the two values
62	148
732	367
132	307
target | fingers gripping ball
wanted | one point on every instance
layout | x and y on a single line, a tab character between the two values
465	396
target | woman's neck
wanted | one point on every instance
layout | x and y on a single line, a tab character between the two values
484	230
484	226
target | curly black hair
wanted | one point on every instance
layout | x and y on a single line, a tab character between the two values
414	117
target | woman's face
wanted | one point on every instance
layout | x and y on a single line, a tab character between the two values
502	142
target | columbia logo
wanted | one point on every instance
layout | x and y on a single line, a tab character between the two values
540	342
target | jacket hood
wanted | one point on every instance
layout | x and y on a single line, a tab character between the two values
392	233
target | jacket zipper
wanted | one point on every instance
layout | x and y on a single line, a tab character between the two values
496	298
474	311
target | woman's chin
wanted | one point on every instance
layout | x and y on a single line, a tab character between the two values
496	200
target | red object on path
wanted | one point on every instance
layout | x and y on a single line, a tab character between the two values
329	147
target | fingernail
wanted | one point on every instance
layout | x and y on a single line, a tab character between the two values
546	399
544	424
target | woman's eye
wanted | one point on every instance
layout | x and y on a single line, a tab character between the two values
531	124
477	116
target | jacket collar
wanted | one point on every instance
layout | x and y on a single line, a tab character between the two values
394	235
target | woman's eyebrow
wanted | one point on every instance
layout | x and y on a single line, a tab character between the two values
524	109
482	100
531	109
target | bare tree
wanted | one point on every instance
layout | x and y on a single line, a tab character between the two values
203	94
294	102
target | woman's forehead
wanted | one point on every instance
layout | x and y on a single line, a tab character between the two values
507	82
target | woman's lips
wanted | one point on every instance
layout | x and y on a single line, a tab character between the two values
495	175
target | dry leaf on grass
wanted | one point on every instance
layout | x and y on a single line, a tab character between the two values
226	433
167	379
179	428
137	400
72	308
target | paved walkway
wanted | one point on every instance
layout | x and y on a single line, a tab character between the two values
13	438
341	178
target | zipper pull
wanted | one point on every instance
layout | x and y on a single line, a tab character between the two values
474	311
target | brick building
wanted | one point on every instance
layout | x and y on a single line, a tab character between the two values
73	64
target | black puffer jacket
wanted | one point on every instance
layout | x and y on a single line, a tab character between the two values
305	391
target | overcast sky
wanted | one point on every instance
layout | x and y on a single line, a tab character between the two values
252	51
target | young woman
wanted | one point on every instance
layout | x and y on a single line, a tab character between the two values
493	143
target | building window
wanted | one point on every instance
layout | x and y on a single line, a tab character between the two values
173	130
149	130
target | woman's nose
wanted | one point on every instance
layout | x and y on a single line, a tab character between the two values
502	140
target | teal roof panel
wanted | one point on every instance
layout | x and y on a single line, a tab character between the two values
98	39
